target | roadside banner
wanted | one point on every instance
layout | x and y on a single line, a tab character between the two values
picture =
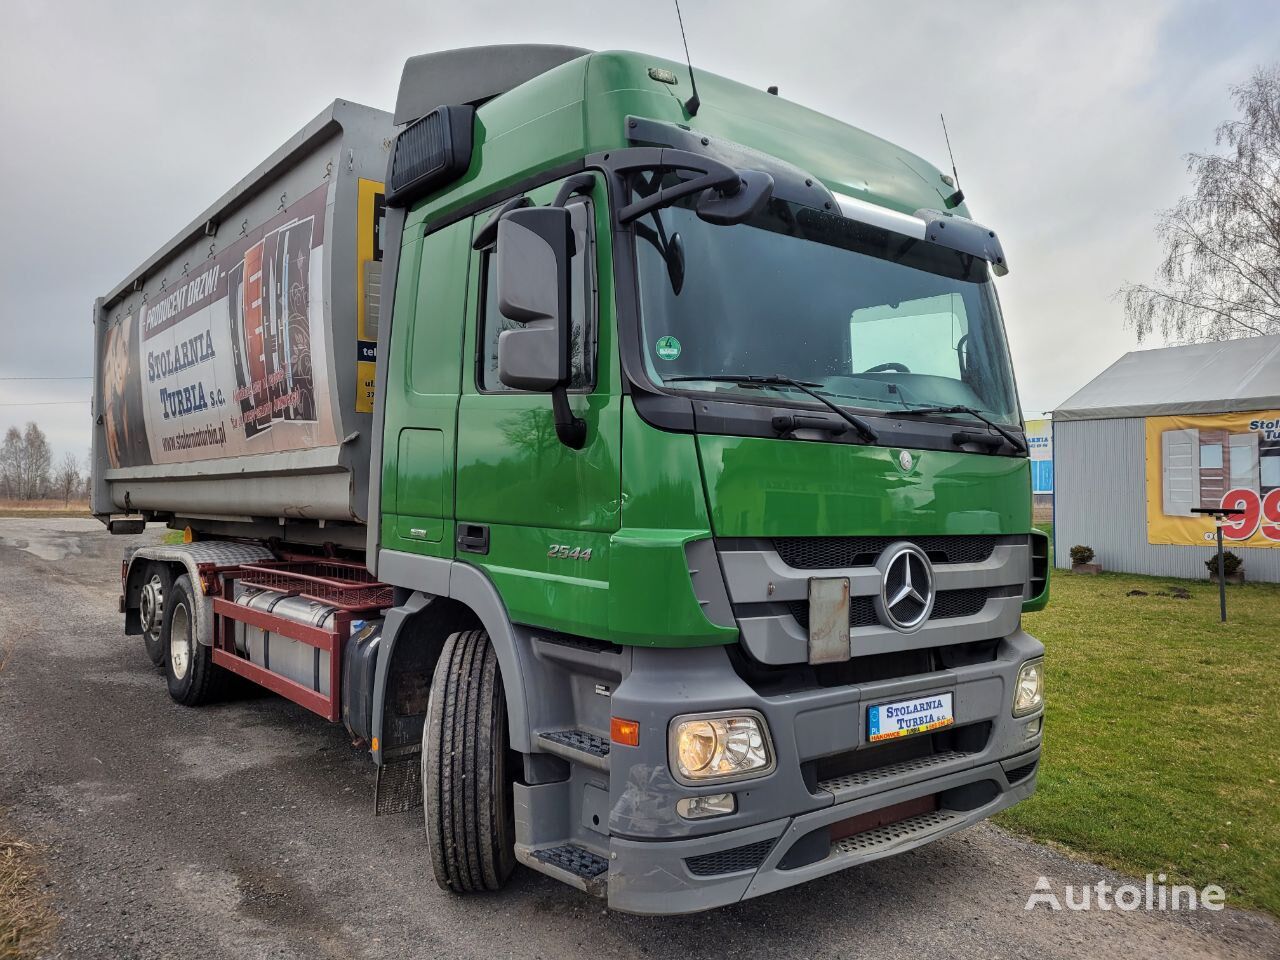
1040	444
1218	460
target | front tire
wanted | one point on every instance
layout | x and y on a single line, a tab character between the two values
467	796
188	667
157	584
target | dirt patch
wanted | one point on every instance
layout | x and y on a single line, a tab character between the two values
43	508
26	920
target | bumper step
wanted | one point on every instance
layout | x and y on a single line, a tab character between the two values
854	784
569	863
577	746
884	838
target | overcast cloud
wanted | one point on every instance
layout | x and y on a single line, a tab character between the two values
120	123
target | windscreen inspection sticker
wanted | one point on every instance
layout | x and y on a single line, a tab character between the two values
668	348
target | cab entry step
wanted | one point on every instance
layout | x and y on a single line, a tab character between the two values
578	746
569	863
579	861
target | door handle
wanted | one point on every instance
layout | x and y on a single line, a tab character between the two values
473	538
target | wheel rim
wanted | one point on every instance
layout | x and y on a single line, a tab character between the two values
180	641
151	606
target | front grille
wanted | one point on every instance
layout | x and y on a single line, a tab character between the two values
815	553
729	861
959	603
862	612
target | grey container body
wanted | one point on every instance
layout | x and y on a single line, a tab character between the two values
1100	500
227	387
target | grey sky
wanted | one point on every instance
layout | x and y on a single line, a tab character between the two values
1069	123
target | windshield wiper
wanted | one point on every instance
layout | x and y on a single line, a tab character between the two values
863	428
1014	440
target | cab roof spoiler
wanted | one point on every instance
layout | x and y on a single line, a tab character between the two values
471	75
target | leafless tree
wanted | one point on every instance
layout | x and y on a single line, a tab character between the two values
1220	276
35	462
67	479
11	464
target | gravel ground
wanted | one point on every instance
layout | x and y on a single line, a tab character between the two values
246	830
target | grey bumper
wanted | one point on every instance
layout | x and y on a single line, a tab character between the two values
662	864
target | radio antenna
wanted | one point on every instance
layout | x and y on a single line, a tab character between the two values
693	103
956	198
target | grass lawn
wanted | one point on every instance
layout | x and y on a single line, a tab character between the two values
1161	749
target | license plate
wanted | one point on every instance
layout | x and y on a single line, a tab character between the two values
902	718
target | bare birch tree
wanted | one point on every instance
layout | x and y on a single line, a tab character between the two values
1220	275
67	479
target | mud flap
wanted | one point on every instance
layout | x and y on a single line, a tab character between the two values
398	785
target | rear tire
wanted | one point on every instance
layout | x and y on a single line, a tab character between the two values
467	796
188	666
157	584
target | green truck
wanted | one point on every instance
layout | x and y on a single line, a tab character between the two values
635	470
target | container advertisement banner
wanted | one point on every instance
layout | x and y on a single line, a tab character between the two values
1219	460
230	358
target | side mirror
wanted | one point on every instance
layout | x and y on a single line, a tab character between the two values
534	248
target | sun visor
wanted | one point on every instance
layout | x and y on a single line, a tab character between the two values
966	236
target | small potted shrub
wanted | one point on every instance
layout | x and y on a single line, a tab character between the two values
1082	560
1232	565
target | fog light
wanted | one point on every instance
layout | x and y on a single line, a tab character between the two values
1028	694
1033	728
715	805
719	748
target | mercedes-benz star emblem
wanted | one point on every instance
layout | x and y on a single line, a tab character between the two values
906	587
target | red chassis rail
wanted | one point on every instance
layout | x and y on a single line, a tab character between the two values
346	587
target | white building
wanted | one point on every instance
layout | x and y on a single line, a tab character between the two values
1159	434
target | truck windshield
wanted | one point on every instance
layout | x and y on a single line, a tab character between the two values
878	320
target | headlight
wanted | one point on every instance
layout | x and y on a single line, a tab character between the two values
720	748
1028	695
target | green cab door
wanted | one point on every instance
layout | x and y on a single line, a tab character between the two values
423	381
532	512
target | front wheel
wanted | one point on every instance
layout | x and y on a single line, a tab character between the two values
467	796
189	669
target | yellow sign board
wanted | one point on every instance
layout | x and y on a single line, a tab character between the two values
370	208
1218	460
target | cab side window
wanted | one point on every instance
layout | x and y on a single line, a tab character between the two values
582	286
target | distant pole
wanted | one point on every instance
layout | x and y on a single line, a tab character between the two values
1220	515
1222	576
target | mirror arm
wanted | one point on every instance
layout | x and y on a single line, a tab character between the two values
488	234
578	183
571	430
727	183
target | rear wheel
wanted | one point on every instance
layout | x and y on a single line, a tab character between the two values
156	585
467	796
193	678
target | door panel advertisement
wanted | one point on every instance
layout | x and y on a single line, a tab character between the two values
230	358
1220	460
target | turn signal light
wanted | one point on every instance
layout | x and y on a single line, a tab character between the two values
626	732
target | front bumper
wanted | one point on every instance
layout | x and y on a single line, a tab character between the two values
782	831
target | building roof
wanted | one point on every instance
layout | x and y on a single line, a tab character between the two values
1197	378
